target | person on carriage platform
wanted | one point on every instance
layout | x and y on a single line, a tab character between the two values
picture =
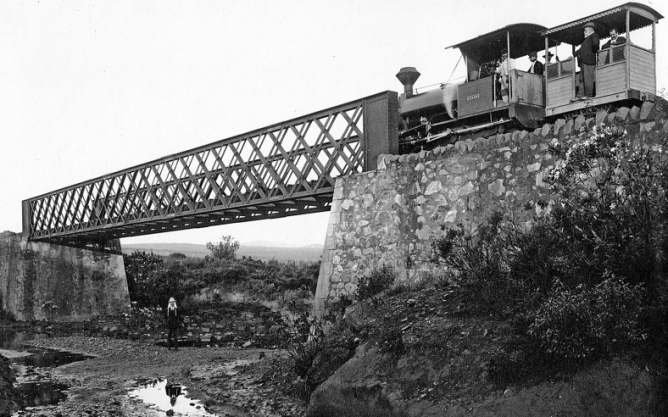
586	55
502	71
536	66
615	40
548	58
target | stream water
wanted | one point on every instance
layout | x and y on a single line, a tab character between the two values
35	387
33	366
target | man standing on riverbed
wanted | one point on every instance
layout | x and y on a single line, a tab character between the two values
172	324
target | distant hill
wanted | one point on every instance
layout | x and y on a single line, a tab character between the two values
310	253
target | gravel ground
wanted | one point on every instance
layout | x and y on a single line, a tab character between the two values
230	382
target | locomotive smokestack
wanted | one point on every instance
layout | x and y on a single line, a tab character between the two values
407	76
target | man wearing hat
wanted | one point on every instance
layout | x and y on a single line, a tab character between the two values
536	66
587	59
548	57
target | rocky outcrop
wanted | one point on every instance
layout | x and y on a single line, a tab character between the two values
612	388
422	358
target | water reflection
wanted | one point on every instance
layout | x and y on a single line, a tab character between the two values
159	395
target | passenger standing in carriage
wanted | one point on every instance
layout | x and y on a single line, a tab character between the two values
587	59
536	66
502	71
615	40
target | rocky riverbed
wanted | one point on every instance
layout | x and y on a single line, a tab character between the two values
226	381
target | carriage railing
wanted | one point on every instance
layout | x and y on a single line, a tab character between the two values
611	55
560	69
283	169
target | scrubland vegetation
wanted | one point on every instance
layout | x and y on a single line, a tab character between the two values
218	278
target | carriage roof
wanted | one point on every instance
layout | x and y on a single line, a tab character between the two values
524	38
640	17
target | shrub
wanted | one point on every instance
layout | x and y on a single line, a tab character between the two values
304	335
225	250
481	264
586	322
380	280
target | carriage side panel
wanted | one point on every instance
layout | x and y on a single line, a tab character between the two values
611	79
528	88
643	64
559	91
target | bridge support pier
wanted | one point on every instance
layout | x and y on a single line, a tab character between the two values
44	281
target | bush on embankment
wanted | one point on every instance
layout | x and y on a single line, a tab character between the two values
587	279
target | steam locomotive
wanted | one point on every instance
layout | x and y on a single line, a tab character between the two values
625	75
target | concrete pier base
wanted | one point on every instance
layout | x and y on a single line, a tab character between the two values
42	281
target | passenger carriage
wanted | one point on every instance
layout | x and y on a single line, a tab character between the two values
623	72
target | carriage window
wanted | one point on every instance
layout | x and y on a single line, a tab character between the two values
561	63
642	37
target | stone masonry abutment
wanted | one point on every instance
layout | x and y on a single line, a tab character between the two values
391	216
42	281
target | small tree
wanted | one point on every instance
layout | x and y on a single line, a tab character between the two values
225	250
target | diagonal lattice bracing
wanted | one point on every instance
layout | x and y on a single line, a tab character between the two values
281	170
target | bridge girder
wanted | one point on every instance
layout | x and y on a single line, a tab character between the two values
281	170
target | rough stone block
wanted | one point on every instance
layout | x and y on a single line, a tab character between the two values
577	123
634	113
481	143
537	131
647	127
622	113
497	188
600	116
558	124
533	167
646	108
546	129
380	163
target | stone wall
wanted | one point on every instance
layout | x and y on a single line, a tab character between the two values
392	216
80	283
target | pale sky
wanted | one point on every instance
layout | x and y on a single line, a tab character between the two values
88	88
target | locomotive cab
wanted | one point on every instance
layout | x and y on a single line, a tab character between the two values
521	95
625	71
